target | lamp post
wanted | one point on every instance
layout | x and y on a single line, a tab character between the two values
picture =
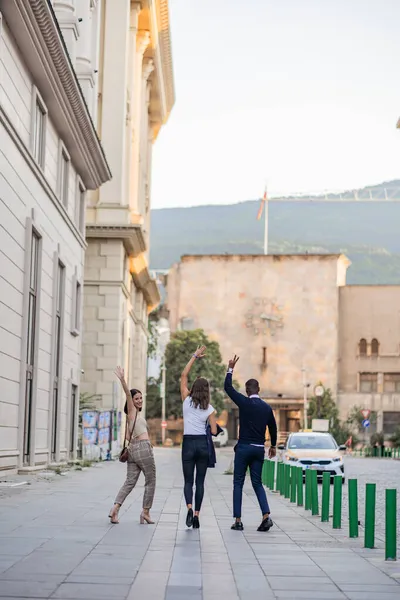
305	398
163	422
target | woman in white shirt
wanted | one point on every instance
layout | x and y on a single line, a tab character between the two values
196	411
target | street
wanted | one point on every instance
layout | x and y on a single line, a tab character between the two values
56	542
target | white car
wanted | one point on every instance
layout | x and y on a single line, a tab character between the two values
222	439
317	451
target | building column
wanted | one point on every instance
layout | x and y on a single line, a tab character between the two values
68	22
132	75
84	66
142	43
147	69
114	99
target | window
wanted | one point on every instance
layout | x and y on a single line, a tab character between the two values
368	382
74	400
80	206
76	309
31	341
391	421
39	124
63	176
374	347
264	356
362	347
391	382
57	358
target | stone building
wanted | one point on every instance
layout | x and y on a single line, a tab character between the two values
135	97
50	156
295	323
369	359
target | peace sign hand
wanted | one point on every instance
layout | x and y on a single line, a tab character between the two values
232	362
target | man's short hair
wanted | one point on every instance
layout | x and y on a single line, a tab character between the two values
252	385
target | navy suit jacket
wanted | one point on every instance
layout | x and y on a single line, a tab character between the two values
212	459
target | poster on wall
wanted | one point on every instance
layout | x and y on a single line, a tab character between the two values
89	419
104	436
89	436
104	419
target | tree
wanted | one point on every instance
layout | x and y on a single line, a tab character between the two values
153	399
153	333
325	408
178	352
395	438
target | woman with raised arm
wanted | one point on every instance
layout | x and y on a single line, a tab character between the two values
197	410
140	454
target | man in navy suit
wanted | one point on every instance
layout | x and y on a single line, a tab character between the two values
255	416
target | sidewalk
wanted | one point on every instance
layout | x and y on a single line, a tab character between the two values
56	542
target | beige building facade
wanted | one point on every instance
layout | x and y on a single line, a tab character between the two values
294	323
369	360
50	156
135	96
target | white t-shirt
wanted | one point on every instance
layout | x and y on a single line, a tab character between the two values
194	419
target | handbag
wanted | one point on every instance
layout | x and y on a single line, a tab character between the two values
124	454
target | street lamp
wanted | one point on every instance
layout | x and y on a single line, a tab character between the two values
163	421
162	346
305	401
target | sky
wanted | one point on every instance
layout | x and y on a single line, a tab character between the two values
301	95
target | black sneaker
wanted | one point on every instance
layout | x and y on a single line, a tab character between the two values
237	526
265	525
189	518
196	522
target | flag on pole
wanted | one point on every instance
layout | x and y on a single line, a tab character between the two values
263	201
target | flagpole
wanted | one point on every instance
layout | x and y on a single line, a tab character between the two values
266	223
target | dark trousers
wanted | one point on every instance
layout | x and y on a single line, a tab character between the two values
252	457
194	456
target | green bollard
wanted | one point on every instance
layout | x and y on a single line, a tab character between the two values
299	486
326	492
264	472
337	502
390	524
314	493
308	490
273	463
293	484
369	531
353	508
287	481
278	477
283	479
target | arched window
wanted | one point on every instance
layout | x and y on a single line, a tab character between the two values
374	347
362	347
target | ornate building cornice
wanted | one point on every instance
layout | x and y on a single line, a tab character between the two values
36	30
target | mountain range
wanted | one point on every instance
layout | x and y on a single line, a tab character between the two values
368	232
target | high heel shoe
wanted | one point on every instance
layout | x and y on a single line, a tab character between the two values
113	517
196	522
145	519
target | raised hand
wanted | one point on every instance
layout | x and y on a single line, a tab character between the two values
200	352
232	362
119	372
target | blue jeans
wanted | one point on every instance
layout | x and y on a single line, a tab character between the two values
253	457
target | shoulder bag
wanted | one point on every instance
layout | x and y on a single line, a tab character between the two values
124	454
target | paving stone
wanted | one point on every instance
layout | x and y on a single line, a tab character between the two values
301	583
148	586
91	591
27	589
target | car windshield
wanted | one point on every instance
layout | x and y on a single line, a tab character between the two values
312	442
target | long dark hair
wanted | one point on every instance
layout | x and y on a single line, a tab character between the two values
200	393
133	392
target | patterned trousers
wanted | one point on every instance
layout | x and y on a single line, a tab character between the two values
141	458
